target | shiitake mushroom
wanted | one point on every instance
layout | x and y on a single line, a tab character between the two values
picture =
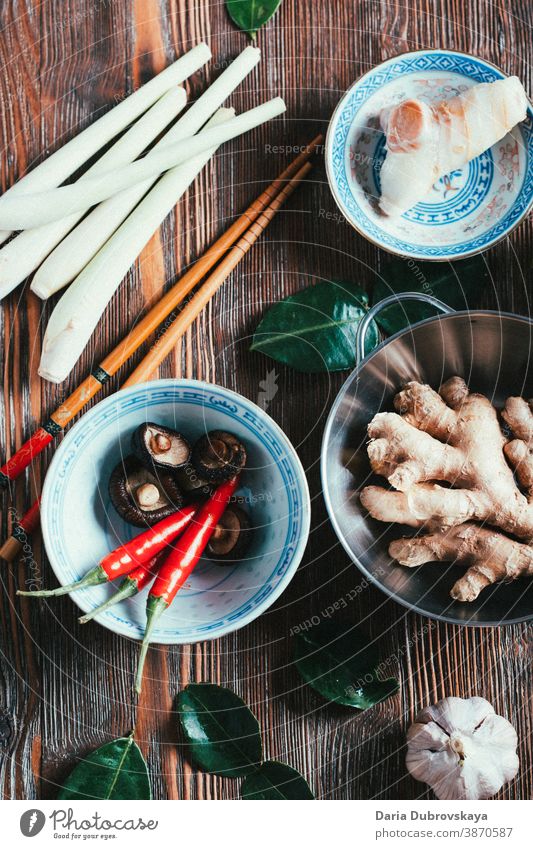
191	484
218	456
160	447
143	496
231	537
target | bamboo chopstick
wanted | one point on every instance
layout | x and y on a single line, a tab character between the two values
270	203
20	532
213	283
135	338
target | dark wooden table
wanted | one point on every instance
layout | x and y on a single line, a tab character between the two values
64	690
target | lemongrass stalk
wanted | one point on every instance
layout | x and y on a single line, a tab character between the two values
65	161
84	242
26	251
35	210
79	310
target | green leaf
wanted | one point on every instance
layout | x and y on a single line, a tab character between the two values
339	662
250	15
222	732
114	771
275	780
314	330
458	284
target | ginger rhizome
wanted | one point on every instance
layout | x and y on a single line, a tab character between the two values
457	477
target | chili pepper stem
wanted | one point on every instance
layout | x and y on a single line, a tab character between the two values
95	576
126	590
155	606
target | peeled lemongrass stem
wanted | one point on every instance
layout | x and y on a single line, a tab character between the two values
83	243
65	161
35	210
79	310
26	251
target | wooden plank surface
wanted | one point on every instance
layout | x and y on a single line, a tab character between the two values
64	690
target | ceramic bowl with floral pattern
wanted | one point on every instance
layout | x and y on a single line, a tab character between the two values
466	211
80	525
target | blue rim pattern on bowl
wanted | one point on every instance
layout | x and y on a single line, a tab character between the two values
337	140
211	397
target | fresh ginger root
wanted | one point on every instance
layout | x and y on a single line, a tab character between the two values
454	437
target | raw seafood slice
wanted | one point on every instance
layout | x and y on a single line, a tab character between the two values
425	142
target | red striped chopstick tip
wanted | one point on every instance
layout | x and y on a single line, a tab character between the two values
20	532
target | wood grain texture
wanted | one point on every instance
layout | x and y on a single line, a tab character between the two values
64	689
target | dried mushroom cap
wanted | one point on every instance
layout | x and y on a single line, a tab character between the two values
218	456
191	483
160	446
143	496
231	537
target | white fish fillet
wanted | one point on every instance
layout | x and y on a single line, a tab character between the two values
426	142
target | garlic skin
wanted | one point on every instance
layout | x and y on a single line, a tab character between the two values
462	749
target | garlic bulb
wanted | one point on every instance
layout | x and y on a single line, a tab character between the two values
462	749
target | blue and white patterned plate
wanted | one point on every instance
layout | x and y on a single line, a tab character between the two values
80	525
466	211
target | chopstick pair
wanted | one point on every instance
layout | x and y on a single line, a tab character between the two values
235	243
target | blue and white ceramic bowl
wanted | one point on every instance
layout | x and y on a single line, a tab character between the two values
80	524
466	211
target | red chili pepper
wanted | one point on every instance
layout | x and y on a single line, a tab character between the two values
147	544
131	585
181	561
123	559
